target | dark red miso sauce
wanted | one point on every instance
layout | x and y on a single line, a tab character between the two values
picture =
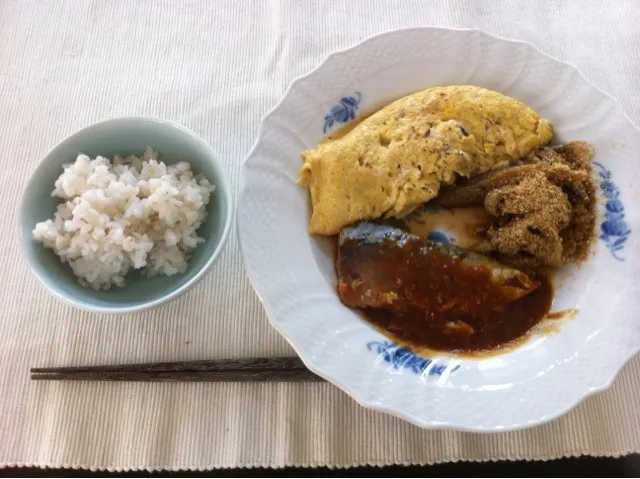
465	332
422	298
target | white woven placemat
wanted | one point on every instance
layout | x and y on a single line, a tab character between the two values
218	67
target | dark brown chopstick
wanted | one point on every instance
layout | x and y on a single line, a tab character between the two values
288	369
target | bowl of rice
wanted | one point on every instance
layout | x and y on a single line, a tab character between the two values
125	215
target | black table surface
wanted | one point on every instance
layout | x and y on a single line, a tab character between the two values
627	466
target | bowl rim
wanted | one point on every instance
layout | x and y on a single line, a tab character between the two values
309	361
222	184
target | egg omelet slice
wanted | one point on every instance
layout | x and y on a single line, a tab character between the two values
397	159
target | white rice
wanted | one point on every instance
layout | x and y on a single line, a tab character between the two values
134	213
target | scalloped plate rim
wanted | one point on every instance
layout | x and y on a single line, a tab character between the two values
386	408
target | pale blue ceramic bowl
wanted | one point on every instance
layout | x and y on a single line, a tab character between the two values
125	136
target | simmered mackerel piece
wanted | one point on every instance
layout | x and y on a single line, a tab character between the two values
385	267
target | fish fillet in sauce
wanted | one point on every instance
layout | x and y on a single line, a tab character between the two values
384	267
429	294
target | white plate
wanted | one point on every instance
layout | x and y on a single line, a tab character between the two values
293	273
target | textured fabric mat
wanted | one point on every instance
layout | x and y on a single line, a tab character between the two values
218	67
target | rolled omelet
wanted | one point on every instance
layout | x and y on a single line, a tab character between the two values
396	159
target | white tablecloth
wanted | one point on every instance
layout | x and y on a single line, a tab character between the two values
218	67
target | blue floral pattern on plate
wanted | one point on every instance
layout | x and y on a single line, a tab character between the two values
343	111
615	230
439	236
400	358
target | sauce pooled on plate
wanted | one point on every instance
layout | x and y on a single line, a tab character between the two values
429	294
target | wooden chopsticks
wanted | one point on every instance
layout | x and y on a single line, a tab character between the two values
287	369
